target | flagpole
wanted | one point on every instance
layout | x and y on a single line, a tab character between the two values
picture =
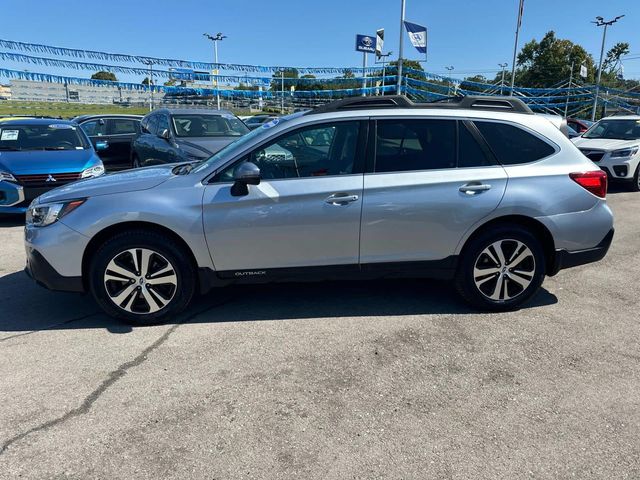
515	48
400	52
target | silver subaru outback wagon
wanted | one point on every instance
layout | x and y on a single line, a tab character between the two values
475	190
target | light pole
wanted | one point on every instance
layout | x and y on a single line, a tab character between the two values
600	22
384	58
515	45
215	39
150	84
449	69
503	66
402	10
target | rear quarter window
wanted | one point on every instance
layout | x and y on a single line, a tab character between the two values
512	145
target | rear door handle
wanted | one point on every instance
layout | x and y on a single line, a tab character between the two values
474	188
340	199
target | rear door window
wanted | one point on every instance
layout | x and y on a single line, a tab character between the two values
121	126
512	145
407	145
470	153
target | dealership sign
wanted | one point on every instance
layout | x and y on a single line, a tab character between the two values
366	43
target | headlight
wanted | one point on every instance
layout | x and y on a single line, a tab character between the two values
625	152
7	176
48	213
93	171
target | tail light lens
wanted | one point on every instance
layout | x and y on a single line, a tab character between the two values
595	182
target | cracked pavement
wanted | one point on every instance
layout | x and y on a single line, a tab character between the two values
388	379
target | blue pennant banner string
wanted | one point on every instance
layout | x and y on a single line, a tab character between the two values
227	93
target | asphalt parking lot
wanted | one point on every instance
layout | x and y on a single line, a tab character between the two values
387	379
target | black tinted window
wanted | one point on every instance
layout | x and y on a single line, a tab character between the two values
321	150
404	145
121	126
470	153
512	145
152	124
163	123
94	128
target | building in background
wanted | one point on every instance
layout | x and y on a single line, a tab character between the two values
5	92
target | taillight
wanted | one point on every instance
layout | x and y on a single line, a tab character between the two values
595	182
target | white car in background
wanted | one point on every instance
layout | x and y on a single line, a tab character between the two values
614	145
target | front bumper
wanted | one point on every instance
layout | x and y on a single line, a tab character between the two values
12	198
566	259
619	168
45	275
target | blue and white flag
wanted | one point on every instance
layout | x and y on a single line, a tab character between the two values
417	35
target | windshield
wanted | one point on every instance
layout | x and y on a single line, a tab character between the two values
54	136
615	130
206	125
239	144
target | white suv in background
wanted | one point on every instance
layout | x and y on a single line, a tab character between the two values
614	145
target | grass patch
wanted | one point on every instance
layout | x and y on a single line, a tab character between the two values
64	110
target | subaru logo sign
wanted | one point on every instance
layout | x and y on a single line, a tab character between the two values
365	43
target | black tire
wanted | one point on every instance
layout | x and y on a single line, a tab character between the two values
473	255
165	252
635	185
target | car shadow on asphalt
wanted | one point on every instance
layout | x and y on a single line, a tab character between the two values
28	307
11	220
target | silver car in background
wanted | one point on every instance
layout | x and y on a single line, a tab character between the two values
475	190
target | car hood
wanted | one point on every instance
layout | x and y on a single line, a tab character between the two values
47	161
206	145
128	181
607	144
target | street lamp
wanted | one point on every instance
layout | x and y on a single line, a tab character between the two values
150	83
215	39
502	66
601	22
449	69
384	57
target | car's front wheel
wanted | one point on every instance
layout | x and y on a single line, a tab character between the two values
142	277
501	268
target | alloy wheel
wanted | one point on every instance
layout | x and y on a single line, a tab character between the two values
504	270
140	281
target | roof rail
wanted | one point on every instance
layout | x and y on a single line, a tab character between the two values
471	102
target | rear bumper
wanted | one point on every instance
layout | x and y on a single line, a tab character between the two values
566	259
45	275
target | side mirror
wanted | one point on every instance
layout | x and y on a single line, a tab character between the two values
164	133
102	145
245	174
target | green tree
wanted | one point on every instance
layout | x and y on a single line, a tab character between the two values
548	62
145	81
288	73
612	59
102	75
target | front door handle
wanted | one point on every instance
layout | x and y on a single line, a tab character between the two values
474	188
340	199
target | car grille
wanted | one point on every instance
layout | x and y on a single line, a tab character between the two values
49	180
593	155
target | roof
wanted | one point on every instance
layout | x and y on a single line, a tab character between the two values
36	121
191	111
622	117
390	102
82	118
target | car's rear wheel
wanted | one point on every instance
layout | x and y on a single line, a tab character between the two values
142	277
501	268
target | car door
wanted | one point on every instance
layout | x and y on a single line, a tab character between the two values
304	213
96	129
430	181
120	134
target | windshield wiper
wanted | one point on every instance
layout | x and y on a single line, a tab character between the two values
11	149
56	148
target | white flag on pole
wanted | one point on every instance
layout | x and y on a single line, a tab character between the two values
583	71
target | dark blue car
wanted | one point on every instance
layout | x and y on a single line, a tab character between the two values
37	155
